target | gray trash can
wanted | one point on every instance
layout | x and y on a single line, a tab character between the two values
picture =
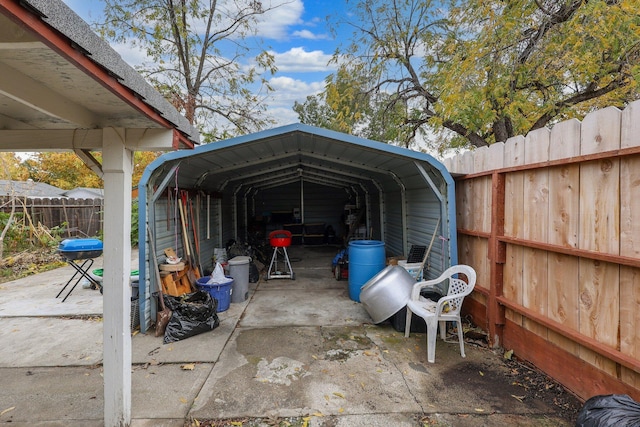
239	270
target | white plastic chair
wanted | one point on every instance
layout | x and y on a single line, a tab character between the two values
446	309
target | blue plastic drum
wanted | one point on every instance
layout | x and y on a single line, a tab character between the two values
366	259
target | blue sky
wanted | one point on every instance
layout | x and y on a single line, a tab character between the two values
297	35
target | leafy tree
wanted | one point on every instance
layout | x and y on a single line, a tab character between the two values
65	170
194	48
346	106
480	71
11	167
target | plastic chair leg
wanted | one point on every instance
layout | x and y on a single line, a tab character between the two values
432	333
460	337
443	330
407	323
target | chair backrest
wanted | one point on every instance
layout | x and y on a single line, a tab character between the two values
458	286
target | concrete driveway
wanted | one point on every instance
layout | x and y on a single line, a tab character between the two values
297	350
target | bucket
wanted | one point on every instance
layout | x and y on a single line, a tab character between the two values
239	270
366	259
387	292
220	291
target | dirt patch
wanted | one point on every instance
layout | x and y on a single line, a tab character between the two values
535	385
23	264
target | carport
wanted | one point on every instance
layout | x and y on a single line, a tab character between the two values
242	188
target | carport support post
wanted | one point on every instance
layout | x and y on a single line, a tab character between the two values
117	168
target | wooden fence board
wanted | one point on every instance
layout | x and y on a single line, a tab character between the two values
482	199
563	297
630	277
599	231
630	127
563	272
565	137
600	206
513	209
480	159
601	131
464	206
535	287
536	146
472	251
514	187
599	308
630	206
495	158
513	278
564	205
514	151
535	227
466	162
629	320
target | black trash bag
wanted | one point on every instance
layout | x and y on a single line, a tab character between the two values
192	314
612	410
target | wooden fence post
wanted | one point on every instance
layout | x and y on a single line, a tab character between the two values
497	257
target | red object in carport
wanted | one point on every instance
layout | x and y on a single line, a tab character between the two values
280	238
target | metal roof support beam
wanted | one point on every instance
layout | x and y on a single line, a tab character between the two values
443	210
246	213
381	208
219	207
403	207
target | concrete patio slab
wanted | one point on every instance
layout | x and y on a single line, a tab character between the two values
296	348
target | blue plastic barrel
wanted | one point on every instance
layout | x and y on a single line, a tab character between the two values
366	259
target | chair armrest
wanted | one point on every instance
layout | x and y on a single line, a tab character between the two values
417	287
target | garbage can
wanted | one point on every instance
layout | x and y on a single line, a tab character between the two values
239	270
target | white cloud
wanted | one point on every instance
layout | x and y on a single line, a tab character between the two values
306	34
283	116
299	87
297	60
275	23
130	53
287	90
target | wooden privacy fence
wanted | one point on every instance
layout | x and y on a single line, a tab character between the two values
551	223
83	217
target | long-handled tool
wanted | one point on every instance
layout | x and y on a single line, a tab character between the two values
163	315
426	254
193	274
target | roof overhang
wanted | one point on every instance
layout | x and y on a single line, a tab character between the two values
62	84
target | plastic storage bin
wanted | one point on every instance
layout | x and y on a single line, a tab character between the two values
414	268
220	291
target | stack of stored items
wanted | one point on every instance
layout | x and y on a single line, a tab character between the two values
296	232
314	233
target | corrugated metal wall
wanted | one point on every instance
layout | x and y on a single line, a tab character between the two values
323	204
393	226
423	213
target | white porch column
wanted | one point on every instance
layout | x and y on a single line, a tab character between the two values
117	167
